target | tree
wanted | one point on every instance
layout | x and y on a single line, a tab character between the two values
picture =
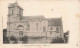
66	36
12	38
5	39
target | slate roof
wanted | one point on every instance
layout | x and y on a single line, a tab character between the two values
51	21
32	17
54	21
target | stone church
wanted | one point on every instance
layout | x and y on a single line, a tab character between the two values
32	26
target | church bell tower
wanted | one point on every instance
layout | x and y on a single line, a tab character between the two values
15	12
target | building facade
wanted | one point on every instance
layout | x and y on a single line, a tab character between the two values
32	26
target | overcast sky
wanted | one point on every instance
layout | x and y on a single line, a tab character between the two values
65	9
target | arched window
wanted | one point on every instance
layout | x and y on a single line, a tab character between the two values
50	32
44	28
20	27
19	11
20	18
51	28
28	26
12	11
57	29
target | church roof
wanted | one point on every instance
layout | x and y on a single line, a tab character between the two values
51	21
32	17
54	21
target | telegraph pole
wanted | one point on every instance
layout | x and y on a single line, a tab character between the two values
9	27
2	22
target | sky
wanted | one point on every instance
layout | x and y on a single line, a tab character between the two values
65	9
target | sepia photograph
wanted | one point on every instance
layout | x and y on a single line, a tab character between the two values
39	23
34	29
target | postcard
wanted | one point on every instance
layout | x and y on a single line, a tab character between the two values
39	23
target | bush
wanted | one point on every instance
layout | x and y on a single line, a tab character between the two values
24	39
57	40
66	39
12	38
